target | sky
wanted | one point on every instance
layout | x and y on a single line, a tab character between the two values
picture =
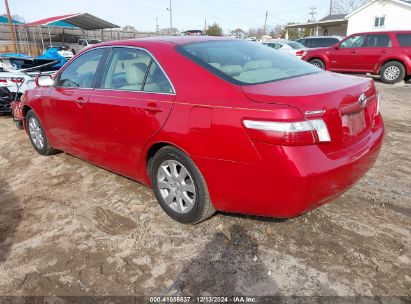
187	14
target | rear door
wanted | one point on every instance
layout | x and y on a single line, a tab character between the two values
375	47
346	56
65	108
130	104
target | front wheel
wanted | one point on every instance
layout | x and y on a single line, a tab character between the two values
180	187
37	135
392	72
318	63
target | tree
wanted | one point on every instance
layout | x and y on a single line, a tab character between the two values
256	32
277	32
347	6
16	18
238	33
129	28
214	30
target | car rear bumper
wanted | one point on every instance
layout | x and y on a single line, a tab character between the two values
289	180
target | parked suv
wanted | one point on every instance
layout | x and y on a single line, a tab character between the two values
319	41
385	53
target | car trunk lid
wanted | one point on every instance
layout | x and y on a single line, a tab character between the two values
337	99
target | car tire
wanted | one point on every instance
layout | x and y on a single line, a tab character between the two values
318	63
180	187
392	72
19	124
37	135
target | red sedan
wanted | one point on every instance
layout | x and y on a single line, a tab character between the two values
210	124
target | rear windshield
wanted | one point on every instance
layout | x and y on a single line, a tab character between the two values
246	62
404	39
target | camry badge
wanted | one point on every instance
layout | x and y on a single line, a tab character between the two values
315	112
362	100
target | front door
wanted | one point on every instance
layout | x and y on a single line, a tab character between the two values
65	109
346	57
129	105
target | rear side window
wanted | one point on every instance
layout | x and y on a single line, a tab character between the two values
378	40
80	73
404	39
134	70
245	62
126	69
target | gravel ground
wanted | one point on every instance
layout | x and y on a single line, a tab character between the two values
70	228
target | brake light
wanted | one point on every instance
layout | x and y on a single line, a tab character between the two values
299	53
306	132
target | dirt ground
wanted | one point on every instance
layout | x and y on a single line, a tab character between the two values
70	228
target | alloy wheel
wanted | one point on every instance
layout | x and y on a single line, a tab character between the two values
36	133
176	186
392	73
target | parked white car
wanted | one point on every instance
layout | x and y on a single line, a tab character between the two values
290	47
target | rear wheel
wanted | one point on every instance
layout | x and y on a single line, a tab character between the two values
318	63
180	187
37	135
392	72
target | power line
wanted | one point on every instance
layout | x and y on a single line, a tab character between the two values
313	12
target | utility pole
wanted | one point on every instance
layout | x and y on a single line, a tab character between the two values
265	23
157	27
13	33
171	16
313	13
205	26
331	7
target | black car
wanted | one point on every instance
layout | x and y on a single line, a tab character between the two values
319	41
6	97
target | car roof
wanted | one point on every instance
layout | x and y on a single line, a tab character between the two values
383	32
168	40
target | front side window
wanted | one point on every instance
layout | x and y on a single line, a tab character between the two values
378	40
134	70
245	62
353	42
80	73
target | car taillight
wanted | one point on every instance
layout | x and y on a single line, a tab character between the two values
306	132
299	53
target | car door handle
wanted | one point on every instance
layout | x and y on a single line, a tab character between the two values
384	51
153	108
354	51
80	100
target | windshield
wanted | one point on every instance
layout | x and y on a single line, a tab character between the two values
246	62
93	41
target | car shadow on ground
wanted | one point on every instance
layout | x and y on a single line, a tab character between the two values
225	267
10	216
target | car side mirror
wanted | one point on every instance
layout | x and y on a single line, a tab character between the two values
44	81
337	46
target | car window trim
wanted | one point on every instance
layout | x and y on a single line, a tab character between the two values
110	48
374	34
57	79
152	58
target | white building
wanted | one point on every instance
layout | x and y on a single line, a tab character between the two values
376	15
380	15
